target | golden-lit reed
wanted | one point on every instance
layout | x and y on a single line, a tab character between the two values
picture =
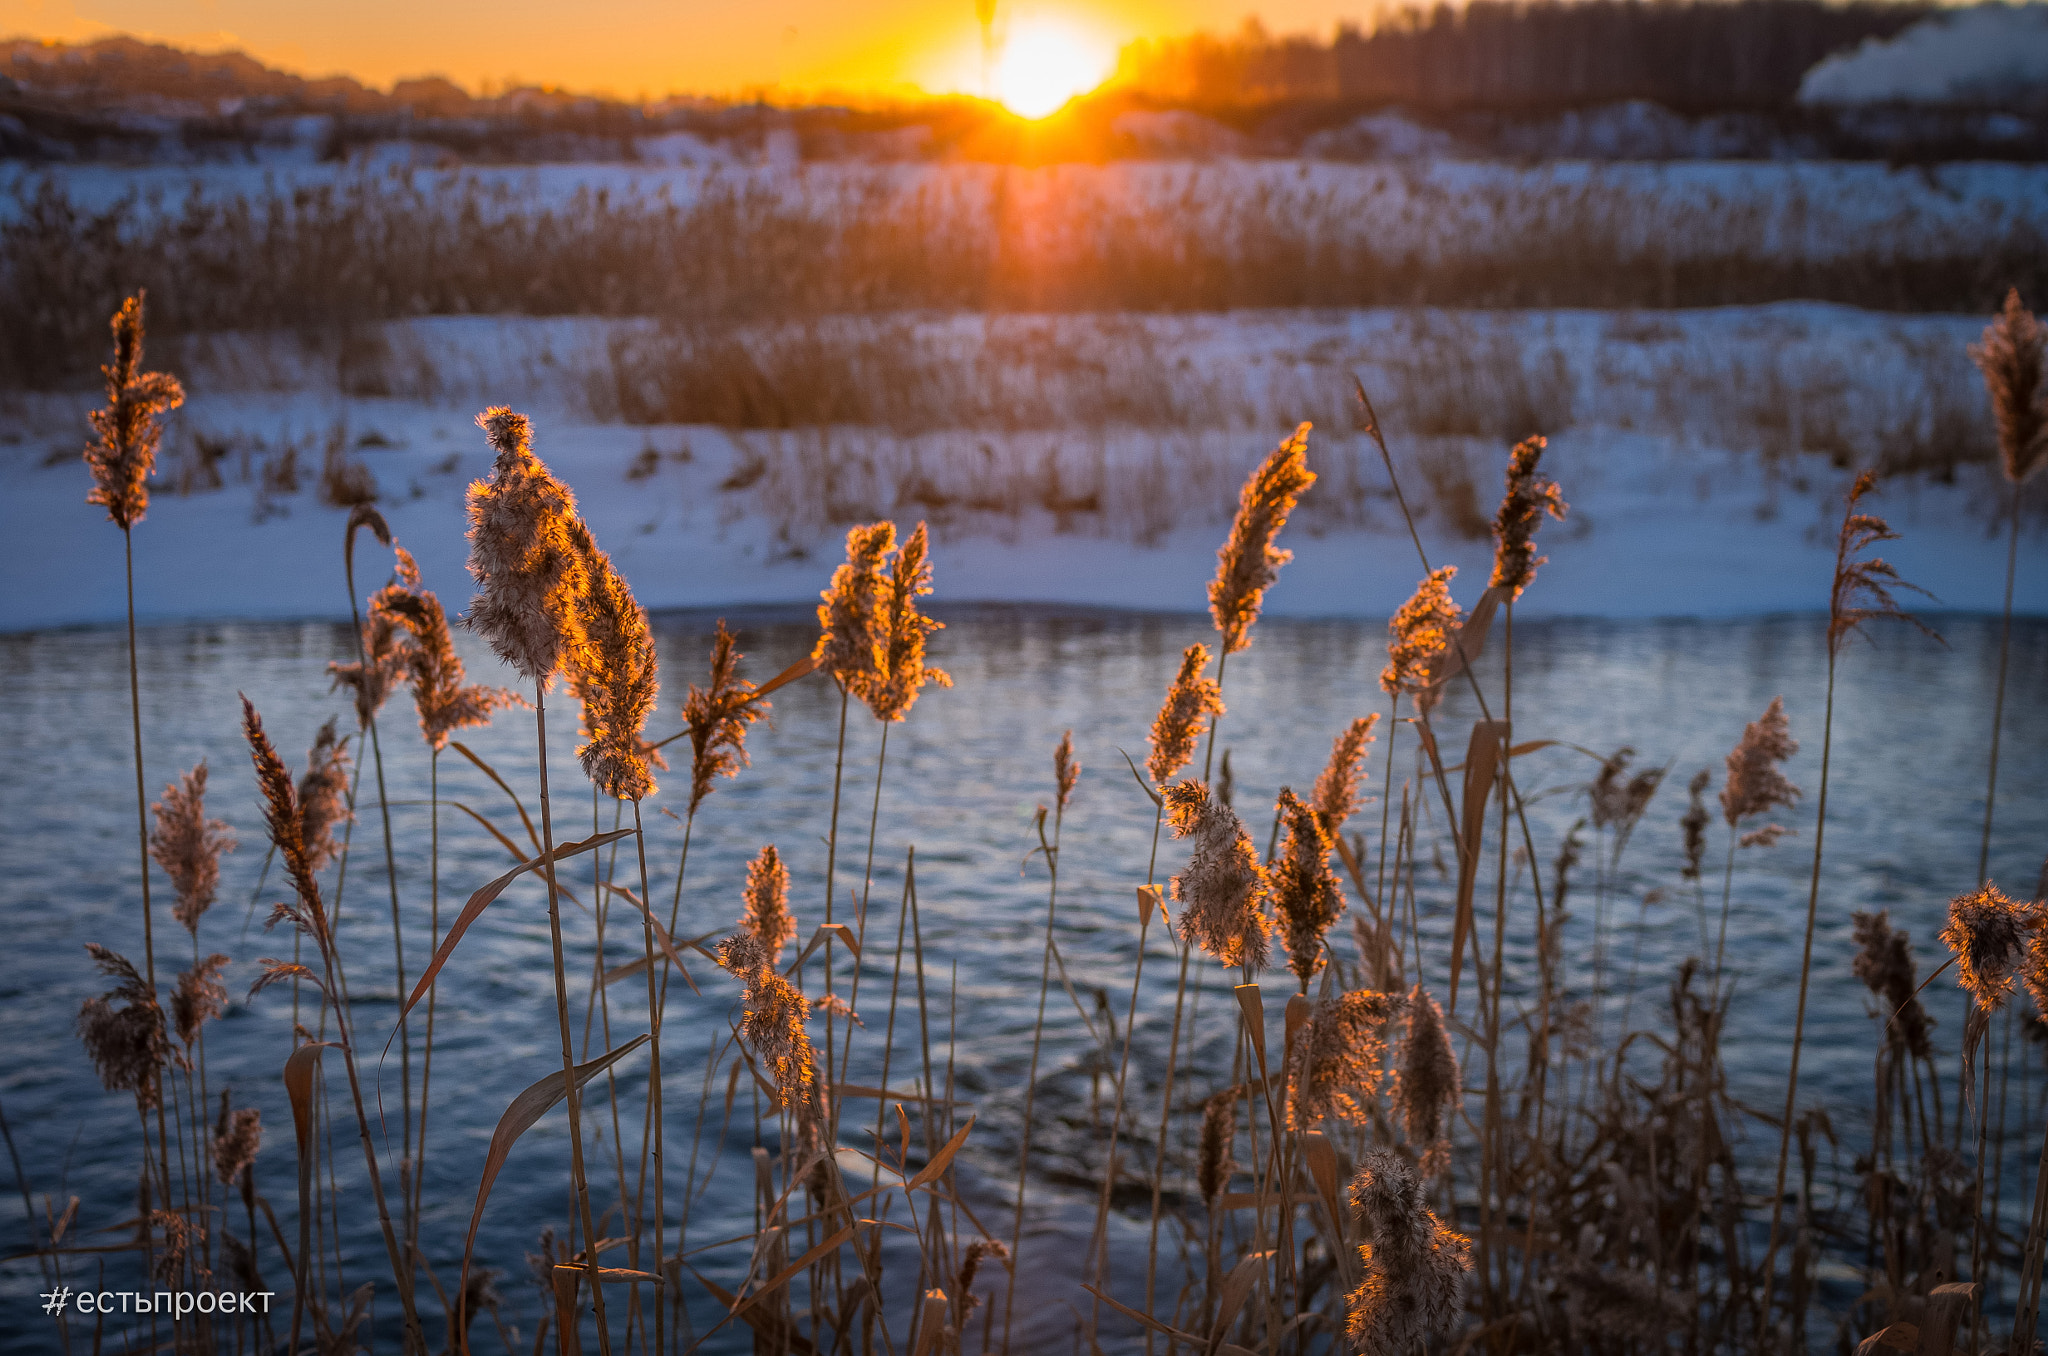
717	718
521	552
613	673
1223	890
1335	796
1191	700
188	845
1248	563
1307	898
1991	935
1414	1265
323	796
131	424
1420	630
901	632
196	999
850	634
386	651
1528	497
1066	771
2009	355
444	701
767	918
1336	1060
773	1027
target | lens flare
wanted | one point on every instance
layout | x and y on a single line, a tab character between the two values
1045	63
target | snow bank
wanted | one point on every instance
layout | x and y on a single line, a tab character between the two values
1985	55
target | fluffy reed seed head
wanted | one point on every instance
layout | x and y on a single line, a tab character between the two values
237	1136
1863	588
1414	1265
1190	700
323	796
373	678
127	1044
774	1023
1755	784
1420	630
1307	897
978	1251
852	642
1427	1083
614	673
903	630
444	702
2009	356
1219	1137
131	425
282	815
1884	962
717	718
1247	564
198	998
521	553
1066	770
1334	1065
1223	890
188	845
2034	974
1529	496
1694	824
767	917
1991	935
1336	791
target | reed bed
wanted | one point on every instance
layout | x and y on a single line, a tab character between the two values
1372	1137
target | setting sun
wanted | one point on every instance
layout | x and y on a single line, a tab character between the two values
1044	63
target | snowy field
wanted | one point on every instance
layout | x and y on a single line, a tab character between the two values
1077	459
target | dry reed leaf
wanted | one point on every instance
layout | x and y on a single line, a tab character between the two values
1468	643
1897	1337
931	1327
492	773
888	1094
526	1109
1261	1200
1237	1287
659	933
1482	758
490	828
931	1171
839	930
1151	897
767	1325
626	971
790	1272
481	900
1147	1320
610	1273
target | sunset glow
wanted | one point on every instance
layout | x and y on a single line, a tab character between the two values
1045	63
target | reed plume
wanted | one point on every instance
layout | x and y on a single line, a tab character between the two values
1755	784
188	845
980	1250
1223	890
323	796
613	672
443	701
1307	897
1991	936
1421	629
1190	700
1066	770
717	718
852	643
1884	962
2009	356
131	425
901	631
127	1044
521	553
198	998
1427	1086
237	1136
282	814
1529	496
1863	588
1414	1265
1335	796
773	1027
767	918
1694	824
372	679
1247	564
1219	1135
1334	1064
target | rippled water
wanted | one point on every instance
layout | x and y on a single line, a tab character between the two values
963	779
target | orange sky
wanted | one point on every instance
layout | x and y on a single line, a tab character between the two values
641	47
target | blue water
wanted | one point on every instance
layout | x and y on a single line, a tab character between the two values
964	777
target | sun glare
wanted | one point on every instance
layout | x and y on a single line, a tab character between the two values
1044	63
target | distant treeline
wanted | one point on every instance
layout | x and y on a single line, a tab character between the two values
1687	54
